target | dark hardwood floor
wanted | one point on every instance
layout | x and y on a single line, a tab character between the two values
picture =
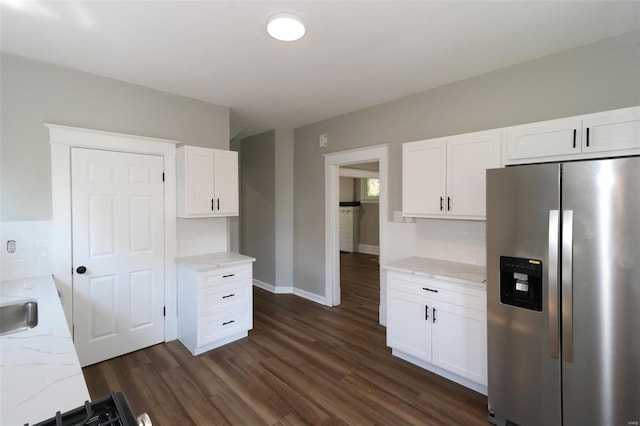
302	363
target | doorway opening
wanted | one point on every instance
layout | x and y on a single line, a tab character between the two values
359	228
333	164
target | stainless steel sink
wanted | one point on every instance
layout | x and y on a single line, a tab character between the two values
18	316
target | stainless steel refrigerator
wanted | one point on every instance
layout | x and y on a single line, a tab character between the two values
563	293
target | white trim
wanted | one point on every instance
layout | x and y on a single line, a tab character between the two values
368	249
109	141
289	290
310	296
358	173
61	140
272	288
332	163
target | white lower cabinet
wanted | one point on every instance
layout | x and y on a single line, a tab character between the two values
439	325
215	306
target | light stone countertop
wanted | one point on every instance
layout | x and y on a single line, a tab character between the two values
39	369
206	262
463	273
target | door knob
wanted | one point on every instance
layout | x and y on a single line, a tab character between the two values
81	269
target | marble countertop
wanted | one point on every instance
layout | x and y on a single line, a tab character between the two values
39	369
463	273
206	262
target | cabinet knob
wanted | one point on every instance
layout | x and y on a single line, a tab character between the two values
81	269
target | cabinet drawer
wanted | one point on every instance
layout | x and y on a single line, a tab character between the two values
225	275
222	324
214	298
439	290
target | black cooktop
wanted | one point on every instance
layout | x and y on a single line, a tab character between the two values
110	410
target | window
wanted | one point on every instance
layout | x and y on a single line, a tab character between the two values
370	189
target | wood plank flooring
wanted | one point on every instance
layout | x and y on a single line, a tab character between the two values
302	363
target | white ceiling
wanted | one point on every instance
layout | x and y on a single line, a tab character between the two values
354	55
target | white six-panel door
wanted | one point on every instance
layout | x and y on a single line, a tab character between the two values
118	236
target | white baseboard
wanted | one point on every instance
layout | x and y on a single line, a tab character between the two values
310	296
272	288
368	249
289	290
261	284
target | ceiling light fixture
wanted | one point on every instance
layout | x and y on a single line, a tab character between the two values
285	27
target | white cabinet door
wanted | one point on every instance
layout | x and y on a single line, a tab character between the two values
199	180
226	182
408	325
468	158
460	341
207	182
424	177
545	139
612	131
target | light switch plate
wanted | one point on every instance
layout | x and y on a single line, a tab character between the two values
323	140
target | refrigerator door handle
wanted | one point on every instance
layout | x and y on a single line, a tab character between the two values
552	274
567	285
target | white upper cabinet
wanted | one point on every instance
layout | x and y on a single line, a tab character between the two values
549	138
207	182
607	133
445	177
615	130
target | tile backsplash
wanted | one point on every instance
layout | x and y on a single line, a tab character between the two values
32	255
452	240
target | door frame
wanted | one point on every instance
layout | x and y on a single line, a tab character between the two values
61	140
332	163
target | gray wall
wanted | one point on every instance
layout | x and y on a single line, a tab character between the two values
592	78
257	204
369	224
35	92
368	219
266	209
347	189
284	207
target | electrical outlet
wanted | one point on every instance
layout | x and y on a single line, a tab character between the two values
11	246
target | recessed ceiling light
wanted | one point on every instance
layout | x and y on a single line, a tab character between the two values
285	27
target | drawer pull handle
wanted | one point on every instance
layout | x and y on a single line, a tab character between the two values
430	289
433	317
228	295
228	275
228	322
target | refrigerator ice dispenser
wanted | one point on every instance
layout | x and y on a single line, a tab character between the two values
521	282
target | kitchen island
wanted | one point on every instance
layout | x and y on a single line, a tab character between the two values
39	370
